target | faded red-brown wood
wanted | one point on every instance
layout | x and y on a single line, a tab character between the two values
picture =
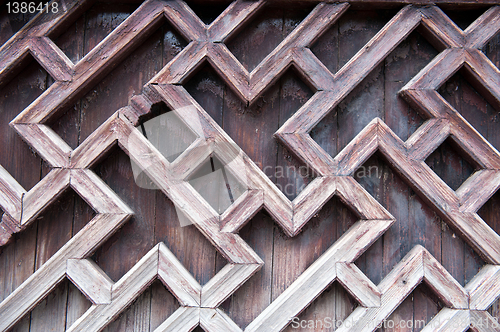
274	100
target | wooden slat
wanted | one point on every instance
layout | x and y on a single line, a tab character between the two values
183	319
358	285
484	288
90	280
178	280
52	59
213	320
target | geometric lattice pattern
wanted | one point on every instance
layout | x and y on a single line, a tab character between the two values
199	304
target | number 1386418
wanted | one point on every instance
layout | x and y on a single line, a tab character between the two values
32	7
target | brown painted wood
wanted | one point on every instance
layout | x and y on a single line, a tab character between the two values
271	100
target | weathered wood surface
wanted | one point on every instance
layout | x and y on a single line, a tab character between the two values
259	277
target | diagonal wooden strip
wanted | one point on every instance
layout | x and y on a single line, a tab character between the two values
43	194
90	151
52	59
312	199
11	194
51	147
472	199
359	200
438	71
313	281
177	279
482	321
185	21
241	211
449	320
427	138
96	192
225	283
184	319
215	320
444	285
483	28
358	285
90	280
484	288
239	12
440	30
482	70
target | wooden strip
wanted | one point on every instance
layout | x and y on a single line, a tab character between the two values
438	71
8	226
215	320
313	281
310	152
311	200
483	28
241	211
11	194
478	234
484	288
124	292
482	70
358	285
185	21
46	142
357	152
225	283
177	279
312	69
183	65
471	199
240	13
482	321
441	31
52	59
44	193
360	201
96	145
428	137
97	193
184	319
443	284
449	320
90	280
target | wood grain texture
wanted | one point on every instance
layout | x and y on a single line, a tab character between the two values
200	305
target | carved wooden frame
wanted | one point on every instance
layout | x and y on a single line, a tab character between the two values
199	305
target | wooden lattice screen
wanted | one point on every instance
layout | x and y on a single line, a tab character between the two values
199	304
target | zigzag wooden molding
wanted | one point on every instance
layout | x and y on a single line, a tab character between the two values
199	305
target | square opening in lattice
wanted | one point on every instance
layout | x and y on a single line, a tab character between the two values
339	43
416	223
208	12
217	184
263	33
91	28
469	98
451	164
